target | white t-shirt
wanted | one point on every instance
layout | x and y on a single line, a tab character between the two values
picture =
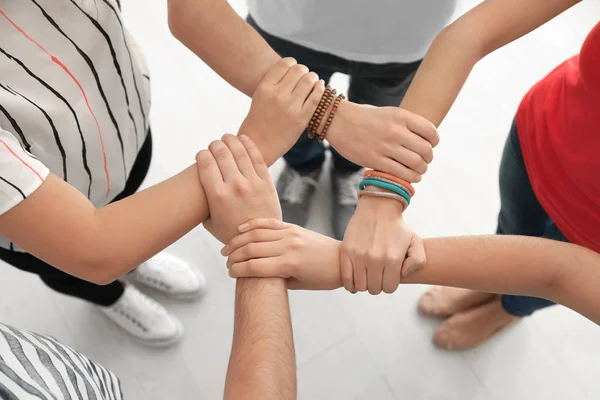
374	31
74	98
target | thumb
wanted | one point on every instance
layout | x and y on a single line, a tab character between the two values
415	257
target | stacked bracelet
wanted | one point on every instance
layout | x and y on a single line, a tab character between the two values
311	125
336	104
322	108
388	195
371	173
395	188
384	185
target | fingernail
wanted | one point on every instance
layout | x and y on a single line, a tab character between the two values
224	250
409	272
243	137
243	226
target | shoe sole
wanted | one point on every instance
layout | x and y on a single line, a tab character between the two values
163	343
153	343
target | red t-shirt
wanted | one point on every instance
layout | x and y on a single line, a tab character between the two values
559	128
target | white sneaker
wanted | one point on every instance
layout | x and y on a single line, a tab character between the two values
169	275
144	318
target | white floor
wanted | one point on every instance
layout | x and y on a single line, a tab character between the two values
359	346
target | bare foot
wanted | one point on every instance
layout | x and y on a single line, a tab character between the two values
441	301
472	327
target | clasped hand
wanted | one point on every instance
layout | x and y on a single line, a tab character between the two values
245	211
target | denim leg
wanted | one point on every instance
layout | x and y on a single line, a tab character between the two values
378	85
307	154
521	214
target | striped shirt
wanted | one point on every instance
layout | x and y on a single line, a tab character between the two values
38	367
74	98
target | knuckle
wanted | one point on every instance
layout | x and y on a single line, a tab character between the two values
288	61
221	193
240	187
300	69
296	243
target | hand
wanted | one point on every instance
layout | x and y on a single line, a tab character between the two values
375	245
388	139
282	106
237	184
271	248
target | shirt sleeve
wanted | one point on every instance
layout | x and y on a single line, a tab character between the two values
21	173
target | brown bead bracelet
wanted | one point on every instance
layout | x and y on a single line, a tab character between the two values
321	109
322	112
336	104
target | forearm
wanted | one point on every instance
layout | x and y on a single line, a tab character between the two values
442	74
561	272
222	39
455	51
262	364
136	228
59	225
564	273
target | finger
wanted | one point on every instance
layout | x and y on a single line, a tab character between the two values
253	236
311	103
424	128
422	147
208	170
256	250
225	160
391	275
264	223
347	272
259	268
416	258
293	76
409	159
240	155
360	274
256	158
275	74
374	276
304	87
395	168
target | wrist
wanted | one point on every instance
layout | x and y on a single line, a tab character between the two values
334	134
383	207
260	142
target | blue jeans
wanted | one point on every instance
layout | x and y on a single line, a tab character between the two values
521	214
374	84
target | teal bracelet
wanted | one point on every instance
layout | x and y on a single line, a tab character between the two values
391	182
384	185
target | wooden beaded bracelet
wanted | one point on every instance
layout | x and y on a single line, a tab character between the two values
310	127
321	115
336	104
313	126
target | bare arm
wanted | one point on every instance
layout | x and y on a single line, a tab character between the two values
455	51
232	42
59	225
262	364
560	272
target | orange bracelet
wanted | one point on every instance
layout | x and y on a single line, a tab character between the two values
371	172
